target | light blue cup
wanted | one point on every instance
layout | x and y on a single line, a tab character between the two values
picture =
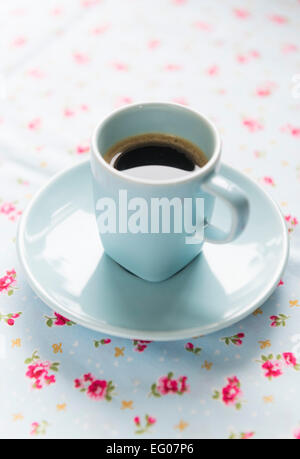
156	257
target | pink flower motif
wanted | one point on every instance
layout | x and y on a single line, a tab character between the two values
10	322
88	378
89	3
278	19
140	345
78	383
165	385
120	66
8	282
34	428
151	420
180	101
179	2
68	112
232	392
289	359
289	48
213	70
293	130
265	90
247	435
106	341
252	125
35	124
19	41
201	25
36	73
153	44
137	420
173	67
82	149
81	58
125	100
273	368
280	283
39	373
297	434
60	320
7	208
268	181
189	346
241	13
97	390
100	29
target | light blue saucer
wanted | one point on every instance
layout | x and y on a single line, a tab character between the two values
60	251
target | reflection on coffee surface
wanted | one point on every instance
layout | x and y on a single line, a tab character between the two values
155	156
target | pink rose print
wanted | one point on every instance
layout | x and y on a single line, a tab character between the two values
39	429
241	436
81	58
279	321
252	125
247	57
230	394
213	70
35	124
274	367
292	222
280	283
100	29
290	359
292	130
89	3
172	67
19	41
38	371
120	66
201	25
241	13
102	342
58	320
191	348
278	19
149	422
140	345
154	44
9	319
95	389
36	73
125	100
268	181
8	281
289	48
180	101
81	149
235	339
10	210
297	433
265	89
168	385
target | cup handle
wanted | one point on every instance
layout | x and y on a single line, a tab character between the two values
220	187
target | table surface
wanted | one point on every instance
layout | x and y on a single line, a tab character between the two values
63	66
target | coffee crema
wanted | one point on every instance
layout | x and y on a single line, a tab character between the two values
155	156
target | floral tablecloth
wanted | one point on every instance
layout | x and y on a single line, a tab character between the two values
64	64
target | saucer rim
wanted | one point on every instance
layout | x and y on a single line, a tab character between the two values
138	334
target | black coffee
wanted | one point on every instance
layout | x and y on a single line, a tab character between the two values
155	156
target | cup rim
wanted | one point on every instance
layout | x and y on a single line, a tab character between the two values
205	170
